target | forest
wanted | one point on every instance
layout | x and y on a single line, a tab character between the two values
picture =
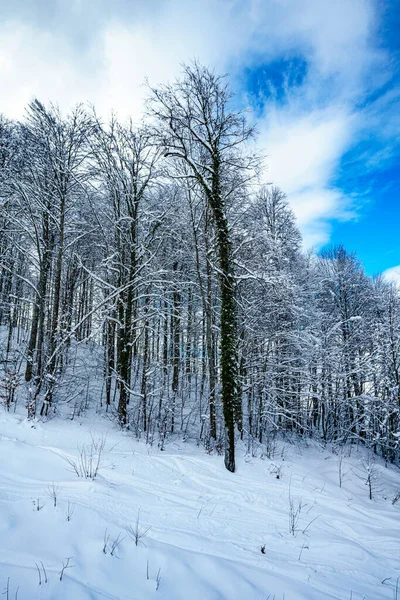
148	274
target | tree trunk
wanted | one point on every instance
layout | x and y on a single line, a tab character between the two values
228	346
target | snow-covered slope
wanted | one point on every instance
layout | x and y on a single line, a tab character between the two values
208	527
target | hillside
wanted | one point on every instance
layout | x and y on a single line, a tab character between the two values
213	535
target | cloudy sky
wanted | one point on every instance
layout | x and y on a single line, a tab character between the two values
322	78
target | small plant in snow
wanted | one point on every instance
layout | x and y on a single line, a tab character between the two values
396	590
137	531
340	469
115	543
276	470
70	511
302	548
39	570
368	473
371	477
89	461
37	504
111	546
105	543
7	592
158	578
66	566
53	491
295	508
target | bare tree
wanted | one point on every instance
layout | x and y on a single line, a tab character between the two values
196	127
125	164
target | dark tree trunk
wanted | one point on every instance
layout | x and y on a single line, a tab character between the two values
228	341
212	371
146	357
175	338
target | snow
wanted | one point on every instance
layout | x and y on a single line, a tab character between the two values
207	525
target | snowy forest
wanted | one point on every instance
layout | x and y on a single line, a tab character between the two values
146	273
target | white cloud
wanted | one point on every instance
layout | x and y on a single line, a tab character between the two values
102	55
35	63
310	144
392	275
303	154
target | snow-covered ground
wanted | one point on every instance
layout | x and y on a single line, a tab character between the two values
208	527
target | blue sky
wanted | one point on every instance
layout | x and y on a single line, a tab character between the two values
373	233
365	174
322	78
371	168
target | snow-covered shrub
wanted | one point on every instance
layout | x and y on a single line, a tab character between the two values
89	461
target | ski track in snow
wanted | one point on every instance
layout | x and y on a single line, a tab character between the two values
207	525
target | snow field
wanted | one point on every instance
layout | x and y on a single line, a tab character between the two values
279	527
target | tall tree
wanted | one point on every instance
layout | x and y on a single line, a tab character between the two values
198	127
125	161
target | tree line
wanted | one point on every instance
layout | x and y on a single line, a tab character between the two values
156	246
